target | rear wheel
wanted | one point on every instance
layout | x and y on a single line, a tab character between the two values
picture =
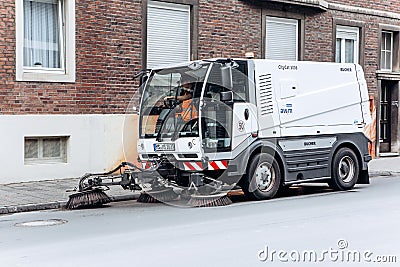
263	178
345	169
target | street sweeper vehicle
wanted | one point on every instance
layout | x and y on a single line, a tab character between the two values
208	126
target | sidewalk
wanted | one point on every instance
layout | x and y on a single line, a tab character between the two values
49	194
384	166
52	194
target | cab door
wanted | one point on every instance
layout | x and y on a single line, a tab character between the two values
228	117
244	124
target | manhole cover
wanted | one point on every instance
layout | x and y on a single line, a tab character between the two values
50	222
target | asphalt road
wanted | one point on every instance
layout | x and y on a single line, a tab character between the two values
311	226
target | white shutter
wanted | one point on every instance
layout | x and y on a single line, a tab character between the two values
281	39
344	32
168	33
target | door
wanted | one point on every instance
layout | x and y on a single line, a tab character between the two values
385	121
227	125
244	124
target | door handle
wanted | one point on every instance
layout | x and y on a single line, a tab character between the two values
246	114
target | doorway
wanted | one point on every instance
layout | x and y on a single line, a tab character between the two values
388	117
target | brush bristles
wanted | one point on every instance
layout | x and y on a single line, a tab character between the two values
165	195
88	199
209	201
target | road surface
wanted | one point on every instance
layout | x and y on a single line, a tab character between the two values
312	224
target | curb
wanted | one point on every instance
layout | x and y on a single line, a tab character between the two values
32	207
56	205
373	174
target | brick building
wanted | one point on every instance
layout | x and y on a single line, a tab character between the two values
66	66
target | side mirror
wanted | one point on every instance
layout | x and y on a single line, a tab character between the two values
226	77
226	96
142	82
143	79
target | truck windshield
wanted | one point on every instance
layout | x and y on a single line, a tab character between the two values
170	103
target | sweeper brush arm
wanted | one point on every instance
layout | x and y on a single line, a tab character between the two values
92	185
126	177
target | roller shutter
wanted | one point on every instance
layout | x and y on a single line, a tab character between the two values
168	33
281	39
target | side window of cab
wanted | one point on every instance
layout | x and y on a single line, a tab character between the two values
240	83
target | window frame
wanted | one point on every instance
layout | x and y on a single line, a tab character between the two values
174	7
356	51
361	37
395	30
385	51
194	17
288	21
63	158
284	15
67	42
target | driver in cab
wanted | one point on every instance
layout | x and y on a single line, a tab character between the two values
186	111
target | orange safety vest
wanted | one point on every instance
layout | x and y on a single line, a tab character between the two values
189	111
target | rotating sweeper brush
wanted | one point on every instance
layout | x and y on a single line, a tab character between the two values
92	186
158	195
212	200
88	199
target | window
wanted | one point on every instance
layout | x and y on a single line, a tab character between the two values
386	51
281	39
168	33
43	34
347	44
45	40
45	149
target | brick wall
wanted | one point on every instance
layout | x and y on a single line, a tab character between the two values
228	28
8	99
109	40
108	46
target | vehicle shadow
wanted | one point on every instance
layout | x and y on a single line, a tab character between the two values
295	190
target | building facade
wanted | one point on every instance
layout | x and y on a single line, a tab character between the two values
67	93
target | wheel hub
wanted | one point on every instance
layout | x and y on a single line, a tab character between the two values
346	169
264	177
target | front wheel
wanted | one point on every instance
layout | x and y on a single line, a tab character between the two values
263	178
345	169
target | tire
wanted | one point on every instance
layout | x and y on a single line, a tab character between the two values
345	169
263	178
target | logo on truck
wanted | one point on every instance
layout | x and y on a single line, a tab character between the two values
240	126
288	67
310	143
346	69
288	109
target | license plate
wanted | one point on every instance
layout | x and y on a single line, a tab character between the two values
164	147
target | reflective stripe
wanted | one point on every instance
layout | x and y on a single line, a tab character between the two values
218	165
188	110
193	166
213	165
221	165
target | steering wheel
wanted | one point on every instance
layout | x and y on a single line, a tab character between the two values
170	102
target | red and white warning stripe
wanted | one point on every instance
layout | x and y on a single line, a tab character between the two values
193	166
147	165
218	165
